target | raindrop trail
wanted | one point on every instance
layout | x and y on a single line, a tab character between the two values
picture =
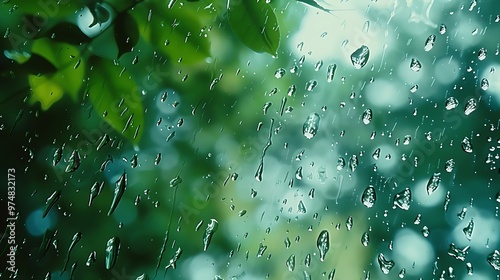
258	173
165	240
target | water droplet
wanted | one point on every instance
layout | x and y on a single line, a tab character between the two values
112	250
298	173
175	181
173	260
91	259
57	156
74	162
369	196
266	107
470	106
485	84
365	239
458	253
349	223
50	202
407	140
311	125
433	183
415	65
120	186
301	208
376	154
402	273
291	90
133	161
330	72
425	231
209	232
353	163
451	103
360	57
481	54
318	65
323	244
470	270
429	43
442	28
467	145
402	199
290	263
414	88
494	259
469	229
385	264
261	250
279	73
311	85
449	165
340	163
367	116
157	158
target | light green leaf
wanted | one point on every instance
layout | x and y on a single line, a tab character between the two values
68	79
174	32
115	96
255	24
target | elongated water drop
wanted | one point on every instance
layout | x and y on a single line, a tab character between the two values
318	65
385	264
291	90
340	163
301	208
76	238
467	145
323	244
353	162
311	126
469	229
290	263
402	199
429	43
266	107
261	250
209	232
365	239
120	186
279	73
57	156
369	196
433	183
330	72
112	250
485	84
51	201
470	106
173	260
349	223
91	258
481	54
367	116
74	162
360	57
311	85
449	165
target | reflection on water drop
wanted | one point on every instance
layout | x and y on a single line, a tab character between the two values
311	125
323	244
415	65
360	57
369	197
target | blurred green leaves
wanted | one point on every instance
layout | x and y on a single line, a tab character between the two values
115	96
65	76
255	25
126	33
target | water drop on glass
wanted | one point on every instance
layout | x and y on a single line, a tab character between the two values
402	199
469	229
429	43
323	244
360	57
467	145
385	264
311	85
485	84
470	106
433	183
290	263
369	196
415	65
112	250
209	232
481	54
279	73
311	126
330	72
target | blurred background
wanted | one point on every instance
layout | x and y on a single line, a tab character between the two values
251	140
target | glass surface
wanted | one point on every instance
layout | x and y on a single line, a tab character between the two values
245	139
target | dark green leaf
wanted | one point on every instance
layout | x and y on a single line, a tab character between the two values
38	64
175	32
116	97
126	33
68	33
315	4
255	24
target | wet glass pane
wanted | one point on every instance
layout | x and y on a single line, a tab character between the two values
250	139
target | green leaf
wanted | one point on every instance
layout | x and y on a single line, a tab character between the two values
115	96
68	79
255	25
175	32
67	32
315	4
126	33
